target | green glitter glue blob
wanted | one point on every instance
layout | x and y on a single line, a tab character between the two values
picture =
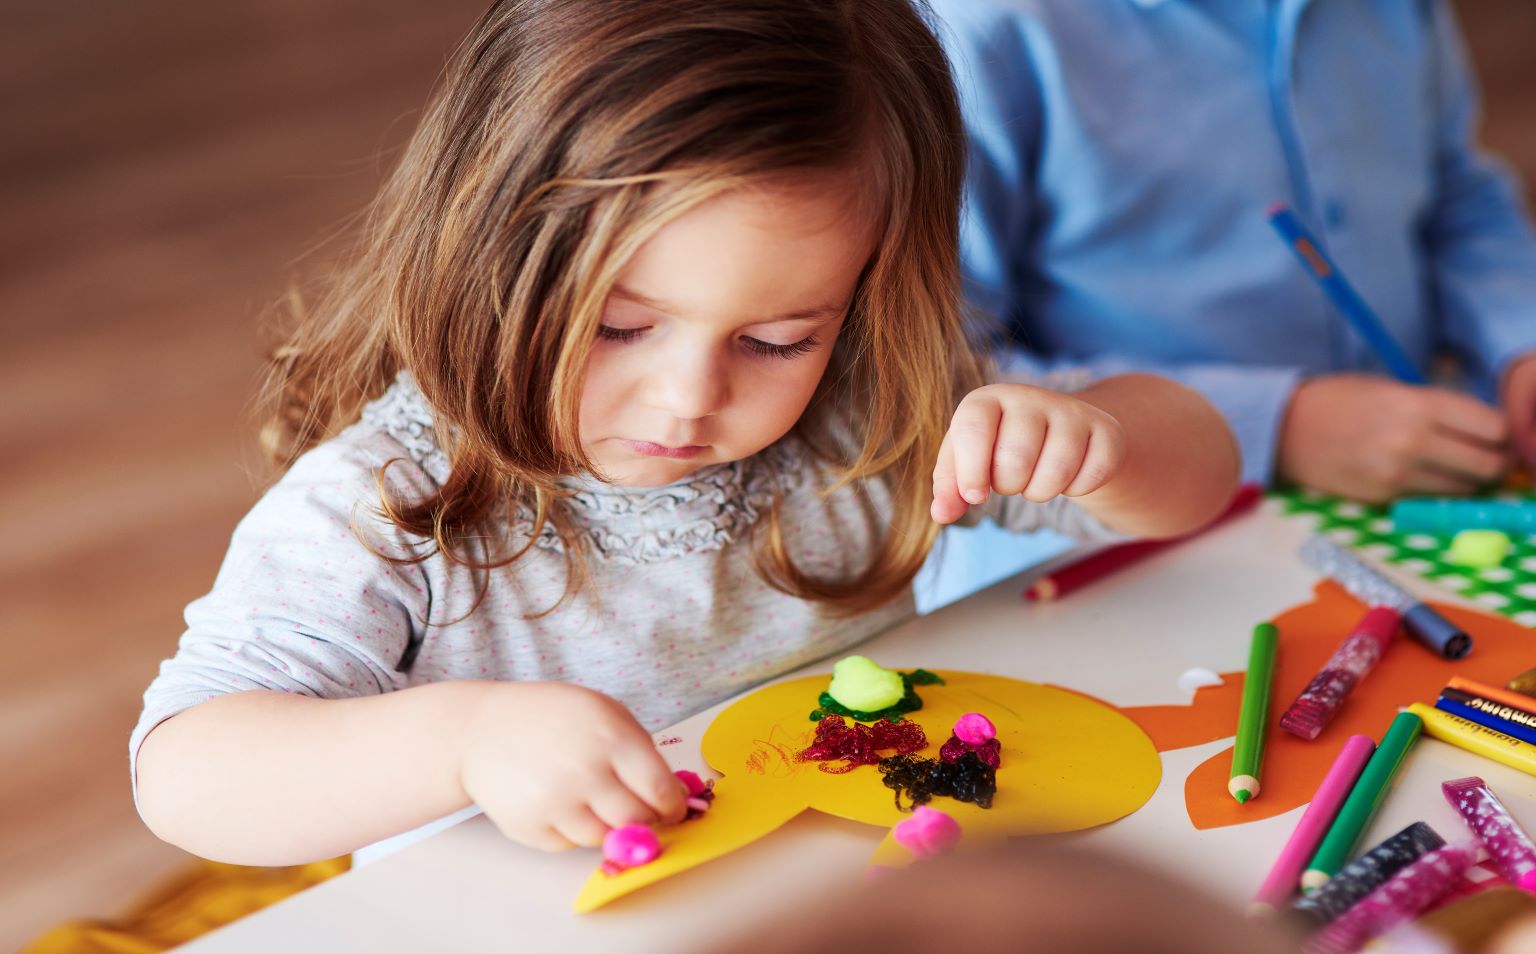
909	701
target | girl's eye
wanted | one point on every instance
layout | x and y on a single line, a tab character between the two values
804	346
618	334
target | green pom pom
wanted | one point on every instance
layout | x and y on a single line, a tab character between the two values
861	685
1478	548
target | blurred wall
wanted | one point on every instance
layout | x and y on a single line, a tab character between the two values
163	167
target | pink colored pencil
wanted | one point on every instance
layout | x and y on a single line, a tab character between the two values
1285	877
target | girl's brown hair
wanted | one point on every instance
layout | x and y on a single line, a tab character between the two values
565	134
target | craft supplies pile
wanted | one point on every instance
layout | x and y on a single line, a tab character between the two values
1345	900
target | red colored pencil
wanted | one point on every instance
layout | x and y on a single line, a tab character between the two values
1090	568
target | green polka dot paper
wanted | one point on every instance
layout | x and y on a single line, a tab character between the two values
1509	588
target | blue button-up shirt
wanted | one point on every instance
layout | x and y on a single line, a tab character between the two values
1123	155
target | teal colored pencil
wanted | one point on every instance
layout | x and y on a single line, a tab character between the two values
1254	716
1368	794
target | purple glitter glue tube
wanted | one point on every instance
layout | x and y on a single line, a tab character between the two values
1507	843
1402	897
1355	657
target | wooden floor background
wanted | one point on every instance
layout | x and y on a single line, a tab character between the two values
163	170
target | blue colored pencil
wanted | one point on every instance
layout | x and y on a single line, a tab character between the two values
1343	295
1488	720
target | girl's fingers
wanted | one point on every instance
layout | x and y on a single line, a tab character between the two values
1060	460
579	826
540	838
642	770
1019	440
948	506
616	806
1100	461
974	433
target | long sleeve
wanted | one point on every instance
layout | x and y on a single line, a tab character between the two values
300	603
1478	240
1001	98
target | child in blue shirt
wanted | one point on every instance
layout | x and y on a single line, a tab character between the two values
1123	154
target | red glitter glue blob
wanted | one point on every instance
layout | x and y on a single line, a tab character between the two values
989	752
860	744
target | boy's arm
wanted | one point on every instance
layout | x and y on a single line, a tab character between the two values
1180	463
1479	244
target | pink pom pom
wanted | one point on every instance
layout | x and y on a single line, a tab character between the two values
973	728
630	846
927	833
696	785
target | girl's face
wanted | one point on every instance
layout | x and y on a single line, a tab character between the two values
719	328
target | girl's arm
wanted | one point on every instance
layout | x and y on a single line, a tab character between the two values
1142	454
270	778
1181	461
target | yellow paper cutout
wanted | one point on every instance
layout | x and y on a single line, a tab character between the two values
1068	762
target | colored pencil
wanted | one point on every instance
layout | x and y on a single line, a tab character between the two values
1477	739
1519	716
1366	797
1252	719
1508	697
1098	565
1402	897
1285	877
1509	728
1343	295
1321	700
1367	872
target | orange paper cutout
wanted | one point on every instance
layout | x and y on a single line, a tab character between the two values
1309	634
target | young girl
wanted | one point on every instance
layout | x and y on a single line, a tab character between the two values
642	390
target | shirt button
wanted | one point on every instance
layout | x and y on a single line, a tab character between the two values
1334	214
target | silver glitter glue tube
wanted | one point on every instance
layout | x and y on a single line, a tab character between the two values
1370	587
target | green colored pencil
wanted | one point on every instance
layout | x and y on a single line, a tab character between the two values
1252	720
1367	795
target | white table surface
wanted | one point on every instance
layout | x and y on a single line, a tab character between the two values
469	889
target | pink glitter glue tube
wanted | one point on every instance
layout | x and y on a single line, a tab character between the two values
1285	876
1508	844
1404	896
1356	656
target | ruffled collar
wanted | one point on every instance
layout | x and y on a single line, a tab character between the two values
707	510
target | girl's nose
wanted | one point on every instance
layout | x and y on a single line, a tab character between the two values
690	386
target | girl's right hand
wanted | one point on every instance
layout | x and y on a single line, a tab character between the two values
554	765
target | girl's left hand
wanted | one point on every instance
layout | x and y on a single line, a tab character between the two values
1020	439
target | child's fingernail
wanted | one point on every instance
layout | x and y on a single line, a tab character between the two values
974	496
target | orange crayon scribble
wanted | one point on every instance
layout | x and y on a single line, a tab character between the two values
775	756
1293	768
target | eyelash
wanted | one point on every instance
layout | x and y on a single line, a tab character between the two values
763	348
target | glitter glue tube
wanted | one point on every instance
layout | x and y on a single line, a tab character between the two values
1285	876
1506	842
1372	588
1367	872
1449	515
1366	797
1477	739
1404	895
1356	656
